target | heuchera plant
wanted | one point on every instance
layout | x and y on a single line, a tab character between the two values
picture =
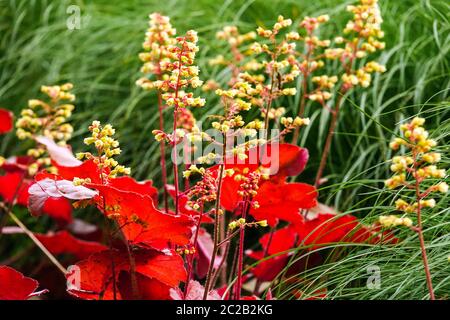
193	244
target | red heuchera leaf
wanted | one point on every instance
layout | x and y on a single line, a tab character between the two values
144	188
59	209
291	159
281	158
373	234
87	169
283	201
141	222
156	273
15	286
11	183
6	121
269	269
326	228
277	199
64	242
195	291
47	188
282	240
148	289
61	155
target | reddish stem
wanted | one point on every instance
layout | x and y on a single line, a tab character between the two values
216	230
175	126
162	149
240	262
192	258
326	149
420	232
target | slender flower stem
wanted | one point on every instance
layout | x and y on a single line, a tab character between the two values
266	251
302	104
162	149
216	226
175	126
191	260
326	148
419	231
38	243
175	160
220	268
269	102
134	285
223	251
240	262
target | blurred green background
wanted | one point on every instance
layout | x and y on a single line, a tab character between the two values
101	60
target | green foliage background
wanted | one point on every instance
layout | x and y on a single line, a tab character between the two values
101	61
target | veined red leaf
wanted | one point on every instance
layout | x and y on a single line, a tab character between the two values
325	229
282	201
87	169
47	188
63	242
15	286
140	221
95	274
14	184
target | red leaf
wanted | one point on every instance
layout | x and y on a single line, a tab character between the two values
15	286
59	209
325	229
267	270
285	159
141	222
283	201
96	276
12	183
87	169
64	242
148	289
144	188
6	121
61	155
281	240
47	188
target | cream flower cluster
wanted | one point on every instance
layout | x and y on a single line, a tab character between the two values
361	38
107	148
420	165
47	119
158	38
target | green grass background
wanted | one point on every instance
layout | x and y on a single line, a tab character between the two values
101	61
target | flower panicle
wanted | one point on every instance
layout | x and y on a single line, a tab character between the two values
158	38
107	148
420	166
47	118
